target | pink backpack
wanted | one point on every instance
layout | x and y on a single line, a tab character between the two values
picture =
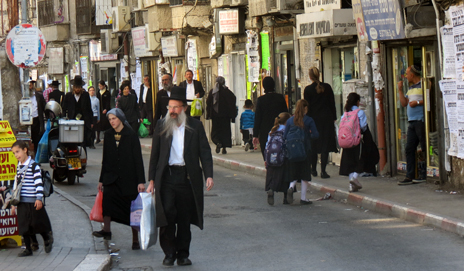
349	132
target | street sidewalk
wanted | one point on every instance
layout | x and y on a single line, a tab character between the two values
425	203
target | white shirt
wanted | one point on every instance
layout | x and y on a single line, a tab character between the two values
145	91
35	109
77	97
176	157
190	92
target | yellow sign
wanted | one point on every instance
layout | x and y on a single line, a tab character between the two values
8	164
7	137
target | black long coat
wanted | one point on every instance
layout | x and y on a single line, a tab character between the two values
122	165
128	104
56	95
160	106
196	149
70	110
268	107
197	85
322	110
105	104
149	99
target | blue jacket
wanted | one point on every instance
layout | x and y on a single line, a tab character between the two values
247	119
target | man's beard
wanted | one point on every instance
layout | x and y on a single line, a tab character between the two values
167	87
172	123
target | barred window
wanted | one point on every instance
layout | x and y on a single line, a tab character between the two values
84	16
188	2
175	2
46	13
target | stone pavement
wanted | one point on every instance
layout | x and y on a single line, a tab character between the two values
74	247
425	203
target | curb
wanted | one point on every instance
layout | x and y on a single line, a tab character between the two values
98	259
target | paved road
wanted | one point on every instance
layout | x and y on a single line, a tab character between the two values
242	232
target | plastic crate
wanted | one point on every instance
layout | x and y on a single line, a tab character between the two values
71	131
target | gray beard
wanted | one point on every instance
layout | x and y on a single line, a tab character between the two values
170	123
167	87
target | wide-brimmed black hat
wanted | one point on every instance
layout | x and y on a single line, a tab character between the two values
55	83
179	94
77	81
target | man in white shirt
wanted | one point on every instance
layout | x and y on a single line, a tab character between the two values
177	179
146	103
193	89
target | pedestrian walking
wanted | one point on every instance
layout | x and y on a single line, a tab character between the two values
162	98
127	102
122	174
194	89
414	101
38	106
56	95
276	163
32	216
95	102
300	171
352	161
179	144
104	96
47	91
247	121
321	100
146	103
268	107
221	109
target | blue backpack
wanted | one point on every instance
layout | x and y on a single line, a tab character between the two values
295	144
275	149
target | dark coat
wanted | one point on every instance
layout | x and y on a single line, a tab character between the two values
128	104
122	165
322	110
56	95
149	100
196	149
105	104
70	110
227	105
160	107
40	108
196	84
268	107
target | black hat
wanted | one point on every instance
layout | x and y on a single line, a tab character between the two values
55	83
268	84
179	94
77	81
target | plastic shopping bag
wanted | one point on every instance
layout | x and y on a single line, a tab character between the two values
196	108
143	131
41	155
148	231
146	122
97	211
136	212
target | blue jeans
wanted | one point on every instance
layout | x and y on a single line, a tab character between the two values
416	135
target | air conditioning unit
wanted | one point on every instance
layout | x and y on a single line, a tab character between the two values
109	41
121	19
239	2
138	18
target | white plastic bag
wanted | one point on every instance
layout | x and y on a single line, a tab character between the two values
148	230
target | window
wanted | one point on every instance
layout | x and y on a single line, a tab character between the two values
84	16
45	12
188	2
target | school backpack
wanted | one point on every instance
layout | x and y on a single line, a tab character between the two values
47	183
295	144
274	152
349	132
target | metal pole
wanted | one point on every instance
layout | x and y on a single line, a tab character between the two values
25	72
371	90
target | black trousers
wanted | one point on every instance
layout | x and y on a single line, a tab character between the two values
147	114
324	160
179	207
36	135
247	137
416	135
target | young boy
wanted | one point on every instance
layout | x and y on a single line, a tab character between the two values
247	120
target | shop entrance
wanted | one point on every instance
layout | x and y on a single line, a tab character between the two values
285	77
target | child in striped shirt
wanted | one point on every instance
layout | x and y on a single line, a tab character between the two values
32	217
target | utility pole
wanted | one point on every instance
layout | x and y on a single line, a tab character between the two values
24	73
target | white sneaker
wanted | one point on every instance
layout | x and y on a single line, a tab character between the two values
247	146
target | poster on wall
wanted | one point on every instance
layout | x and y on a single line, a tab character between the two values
460	113
85	71
457	19
192	57
56	60
359	19
449	54
266	64
252	47
448	88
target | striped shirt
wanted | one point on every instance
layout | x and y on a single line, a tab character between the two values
32	188
415	94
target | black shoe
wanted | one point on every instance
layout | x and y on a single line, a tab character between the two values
48	246
314	173
305	202
218	148
169	260
285	202
290	195
270	197
406	181
135	245
324	175
420	180
224	151
104	234
25	253
184	261
35	246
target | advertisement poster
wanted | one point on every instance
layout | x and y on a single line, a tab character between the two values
192	57
266	64
448	88
139	42
85	71
383	19
359	19
25	46
252	47
460	113
457	18
449	54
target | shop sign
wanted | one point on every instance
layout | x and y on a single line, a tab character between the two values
328	23
383	19
140	42
169	46
229	22
96	55
359	19
318	5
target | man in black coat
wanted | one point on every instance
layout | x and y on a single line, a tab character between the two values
146	103
78	102
179	144
193	88
162	98
38	106
56	95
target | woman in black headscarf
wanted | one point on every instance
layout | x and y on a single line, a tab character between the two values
268	107
221	109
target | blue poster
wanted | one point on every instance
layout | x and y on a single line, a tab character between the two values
383	19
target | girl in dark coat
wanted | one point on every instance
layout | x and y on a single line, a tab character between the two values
321	100
122	175
104	96
221	108
127	102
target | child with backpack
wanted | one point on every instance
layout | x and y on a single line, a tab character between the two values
32	216
247	122
275	160
352	124
299	131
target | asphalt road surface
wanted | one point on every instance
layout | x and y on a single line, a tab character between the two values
242	232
